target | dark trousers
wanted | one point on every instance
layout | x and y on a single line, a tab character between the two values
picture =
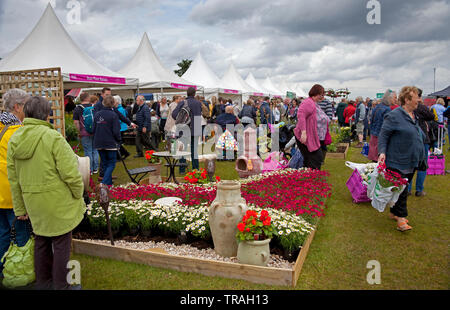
400	209
310	159
194	152
143	140
51	255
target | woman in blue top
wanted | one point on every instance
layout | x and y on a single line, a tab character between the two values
107	137
123	126
400	144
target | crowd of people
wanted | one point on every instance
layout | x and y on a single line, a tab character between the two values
39	169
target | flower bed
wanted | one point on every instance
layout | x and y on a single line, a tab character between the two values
293	198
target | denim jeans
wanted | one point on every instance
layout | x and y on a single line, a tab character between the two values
108	163
420	179
22	233
90	151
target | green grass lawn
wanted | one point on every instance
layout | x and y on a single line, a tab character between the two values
347	238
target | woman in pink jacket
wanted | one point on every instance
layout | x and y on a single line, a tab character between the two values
312	128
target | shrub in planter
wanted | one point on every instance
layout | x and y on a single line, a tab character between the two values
70	129
132	221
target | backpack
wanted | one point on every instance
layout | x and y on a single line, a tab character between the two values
88	118
184	115
205	110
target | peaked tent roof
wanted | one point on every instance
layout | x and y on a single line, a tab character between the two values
284	88
250	80
299	91
233	80
147	66
200	73
267	83
49	45
442	93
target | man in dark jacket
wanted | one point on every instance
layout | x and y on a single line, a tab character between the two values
340	112
265	112
195	124
143	120
227	118
248	113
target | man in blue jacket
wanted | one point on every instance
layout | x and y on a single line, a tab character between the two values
195	124
265	113
143	120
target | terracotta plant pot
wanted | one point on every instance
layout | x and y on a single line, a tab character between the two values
225	212
255	252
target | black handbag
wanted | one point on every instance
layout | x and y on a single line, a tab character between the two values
423	165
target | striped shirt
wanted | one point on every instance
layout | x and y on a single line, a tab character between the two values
327	108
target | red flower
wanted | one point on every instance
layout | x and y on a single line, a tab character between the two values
217	178
241	227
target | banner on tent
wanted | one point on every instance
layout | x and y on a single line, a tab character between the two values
96	78
258	94
230	91
182	86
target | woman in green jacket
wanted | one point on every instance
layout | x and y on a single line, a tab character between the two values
47	187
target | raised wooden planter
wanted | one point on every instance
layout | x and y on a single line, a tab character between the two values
256	274
342	155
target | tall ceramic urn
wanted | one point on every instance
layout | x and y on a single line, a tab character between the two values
225	213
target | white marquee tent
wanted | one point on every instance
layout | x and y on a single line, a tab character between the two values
267	84
299	91
233	80
200	73
153	76
49	45
250	80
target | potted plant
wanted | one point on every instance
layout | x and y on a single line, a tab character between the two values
153	161
254	234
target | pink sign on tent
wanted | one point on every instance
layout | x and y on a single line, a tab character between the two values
182	86
230	91
96	79
258	94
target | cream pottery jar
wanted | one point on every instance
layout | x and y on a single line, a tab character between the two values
225	212
256	252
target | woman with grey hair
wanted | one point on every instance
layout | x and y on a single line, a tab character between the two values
47	187
10	122
376	121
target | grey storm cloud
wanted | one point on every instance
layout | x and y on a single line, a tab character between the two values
412	20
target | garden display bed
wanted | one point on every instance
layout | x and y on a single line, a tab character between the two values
341	151
155	258
294	200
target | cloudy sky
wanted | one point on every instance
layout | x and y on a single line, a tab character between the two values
321	41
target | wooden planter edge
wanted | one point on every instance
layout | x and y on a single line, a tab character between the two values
339	155
251	273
